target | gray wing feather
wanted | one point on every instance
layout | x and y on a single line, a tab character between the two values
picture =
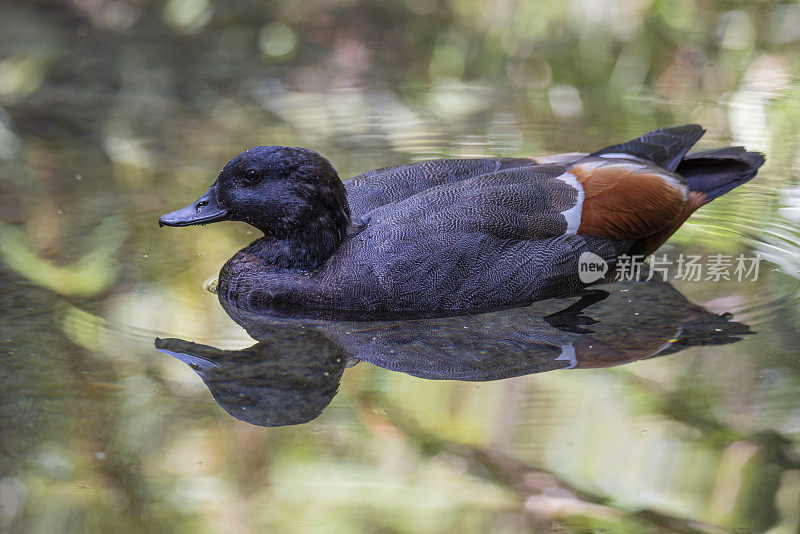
520	203
380	187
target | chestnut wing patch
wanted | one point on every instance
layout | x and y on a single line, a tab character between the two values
628	200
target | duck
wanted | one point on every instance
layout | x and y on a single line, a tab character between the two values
452	236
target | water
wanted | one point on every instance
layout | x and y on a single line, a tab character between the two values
114	113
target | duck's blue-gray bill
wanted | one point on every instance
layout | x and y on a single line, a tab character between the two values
205	209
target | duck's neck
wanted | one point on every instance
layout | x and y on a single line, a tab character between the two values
313	231
303	249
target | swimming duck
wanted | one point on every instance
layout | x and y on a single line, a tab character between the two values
451	236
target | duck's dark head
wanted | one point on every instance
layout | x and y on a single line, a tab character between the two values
293	195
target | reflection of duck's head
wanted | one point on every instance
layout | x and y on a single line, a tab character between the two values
286	382
291	194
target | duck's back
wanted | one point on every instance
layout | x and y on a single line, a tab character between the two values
388	185
524	202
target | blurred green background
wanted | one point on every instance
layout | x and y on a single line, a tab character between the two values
115	111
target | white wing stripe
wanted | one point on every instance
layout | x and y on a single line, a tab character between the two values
573	214
619	155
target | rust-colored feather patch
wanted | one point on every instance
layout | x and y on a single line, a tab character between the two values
593	353
651	243
628	200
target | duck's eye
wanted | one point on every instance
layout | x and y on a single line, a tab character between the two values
251	176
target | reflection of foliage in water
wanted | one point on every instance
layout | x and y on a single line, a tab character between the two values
114	111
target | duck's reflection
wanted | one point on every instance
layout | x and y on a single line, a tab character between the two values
294	370
286	379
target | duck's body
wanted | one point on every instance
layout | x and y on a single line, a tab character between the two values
458	236
488	234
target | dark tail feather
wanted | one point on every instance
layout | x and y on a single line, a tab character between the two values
715	172
664	147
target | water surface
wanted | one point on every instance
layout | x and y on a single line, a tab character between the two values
112	113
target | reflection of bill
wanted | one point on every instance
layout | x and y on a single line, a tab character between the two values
591	267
